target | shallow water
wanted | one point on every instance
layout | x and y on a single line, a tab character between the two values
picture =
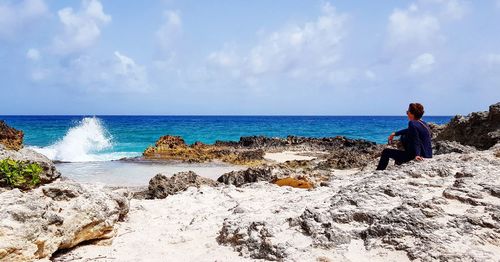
122	173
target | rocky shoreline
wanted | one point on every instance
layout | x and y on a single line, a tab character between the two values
329	206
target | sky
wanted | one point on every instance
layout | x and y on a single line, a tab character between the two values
280	57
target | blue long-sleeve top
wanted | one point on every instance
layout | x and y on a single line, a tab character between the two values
418	138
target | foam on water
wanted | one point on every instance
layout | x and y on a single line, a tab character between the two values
87	141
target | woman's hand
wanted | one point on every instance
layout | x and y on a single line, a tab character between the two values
419	158
391	137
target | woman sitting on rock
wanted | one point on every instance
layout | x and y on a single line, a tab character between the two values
416	140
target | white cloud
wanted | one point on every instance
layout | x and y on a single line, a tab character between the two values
420	24
423	63
454	9
81	28
306	51
33	54
169	31
409	27
116	74
16	17
129	74
492	59
370	74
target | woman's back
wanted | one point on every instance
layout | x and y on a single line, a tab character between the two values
419	134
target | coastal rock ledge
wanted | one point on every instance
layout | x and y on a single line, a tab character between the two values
60	215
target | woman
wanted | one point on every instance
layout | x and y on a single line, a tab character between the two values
416	140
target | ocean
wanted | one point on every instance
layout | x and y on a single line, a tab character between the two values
104	138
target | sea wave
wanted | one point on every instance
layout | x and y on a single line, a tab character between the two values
87	141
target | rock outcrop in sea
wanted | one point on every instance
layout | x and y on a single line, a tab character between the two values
174	148
343	152
10	137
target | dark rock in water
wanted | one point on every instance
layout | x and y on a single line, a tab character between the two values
49	172
446	147
162	186
479	129
250	175
250	150
10	137
297	143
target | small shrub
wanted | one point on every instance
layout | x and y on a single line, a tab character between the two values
20	174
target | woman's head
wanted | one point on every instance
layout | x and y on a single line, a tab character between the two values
415	111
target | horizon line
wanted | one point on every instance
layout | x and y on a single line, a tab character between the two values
211	115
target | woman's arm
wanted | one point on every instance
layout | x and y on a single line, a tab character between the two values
401	132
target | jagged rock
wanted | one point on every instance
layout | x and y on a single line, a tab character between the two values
254	239
174	148
430	209
60	215
348	159
446	147
250	150
249	156
296	143
435	129
10	137
161	186
320	228
478	129
49	172
291	173
250	175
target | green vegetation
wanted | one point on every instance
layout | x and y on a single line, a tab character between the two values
20	174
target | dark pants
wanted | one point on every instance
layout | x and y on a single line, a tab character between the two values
398	155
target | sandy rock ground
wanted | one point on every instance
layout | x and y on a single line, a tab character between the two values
443	209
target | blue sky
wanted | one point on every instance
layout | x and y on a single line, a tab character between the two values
248	57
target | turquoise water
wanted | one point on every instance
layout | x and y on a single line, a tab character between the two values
81	138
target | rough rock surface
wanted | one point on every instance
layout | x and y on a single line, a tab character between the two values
296	143
60	215
302	174
446	209
349	158
10	137
161	186
446	147
49	172
251	175
174	148
479	129
441	209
